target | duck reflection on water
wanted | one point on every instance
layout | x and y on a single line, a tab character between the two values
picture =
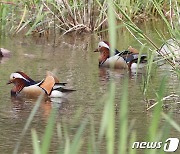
21	105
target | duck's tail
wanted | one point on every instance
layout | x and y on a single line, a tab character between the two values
143	59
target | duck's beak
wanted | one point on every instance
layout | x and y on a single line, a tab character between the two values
10	81
97	50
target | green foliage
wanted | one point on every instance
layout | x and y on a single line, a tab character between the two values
27	125
39	16
123	134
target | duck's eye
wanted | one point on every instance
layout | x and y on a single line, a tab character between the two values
13	77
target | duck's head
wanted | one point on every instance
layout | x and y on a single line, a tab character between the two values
20	80
104	55
102	44
14	77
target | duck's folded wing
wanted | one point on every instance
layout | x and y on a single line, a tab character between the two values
124	53
133	57
64	90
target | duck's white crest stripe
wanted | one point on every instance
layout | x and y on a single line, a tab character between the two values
103	44
17	75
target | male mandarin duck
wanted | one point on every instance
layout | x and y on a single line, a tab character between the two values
106	45
25	86
120	60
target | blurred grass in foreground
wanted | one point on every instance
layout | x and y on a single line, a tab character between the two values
107	133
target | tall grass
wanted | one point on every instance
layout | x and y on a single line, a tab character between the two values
42	16
65	16
148	42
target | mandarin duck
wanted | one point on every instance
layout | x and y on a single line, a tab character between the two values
122	60
25	86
